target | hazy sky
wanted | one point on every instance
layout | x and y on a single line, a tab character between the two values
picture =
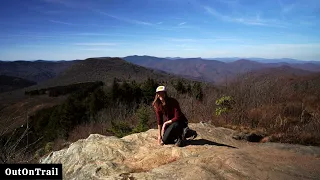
78	29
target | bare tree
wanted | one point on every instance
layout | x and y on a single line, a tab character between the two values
10	147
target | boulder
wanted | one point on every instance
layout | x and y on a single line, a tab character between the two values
214	154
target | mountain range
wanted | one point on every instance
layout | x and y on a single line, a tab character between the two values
212	70
262	60
216	71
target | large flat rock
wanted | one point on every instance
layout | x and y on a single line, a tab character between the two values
212	155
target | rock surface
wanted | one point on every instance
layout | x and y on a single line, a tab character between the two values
214	154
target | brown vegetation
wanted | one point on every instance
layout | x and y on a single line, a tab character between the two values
286	106
280	106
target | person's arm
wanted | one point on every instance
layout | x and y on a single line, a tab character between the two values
177	112
164	126
159	117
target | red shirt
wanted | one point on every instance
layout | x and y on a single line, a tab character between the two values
172	112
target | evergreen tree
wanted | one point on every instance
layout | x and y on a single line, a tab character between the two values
148	90
136	92
115	90
96	101
189	90
180	87
197	91
120	129
125	92
143	114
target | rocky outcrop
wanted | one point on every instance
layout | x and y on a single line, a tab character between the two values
214	154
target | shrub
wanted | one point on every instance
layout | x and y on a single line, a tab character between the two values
120	129
224	105
39	153
180	87
189	90
96	101
197	91
48	147
143	114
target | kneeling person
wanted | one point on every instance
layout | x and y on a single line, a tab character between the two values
175	129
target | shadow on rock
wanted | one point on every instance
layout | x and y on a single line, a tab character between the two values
251	137
199	142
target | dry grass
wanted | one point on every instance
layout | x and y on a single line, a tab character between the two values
265	105
84	130
275	105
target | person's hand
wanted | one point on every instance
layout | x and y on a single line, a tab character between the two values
160	140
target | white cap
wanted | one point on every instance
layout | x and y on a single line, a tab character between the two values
161	88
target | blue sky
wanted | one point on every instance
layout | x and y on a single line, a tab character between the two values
78	29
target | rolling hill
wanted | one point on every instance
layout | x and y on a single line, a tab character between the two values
37	71
282	81
9	83
280	72
211	70
206	70
105	70
284	78
92	69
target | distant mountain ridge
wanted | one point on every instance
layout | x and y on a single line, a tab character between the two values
212	70
217	70
281	72
262	60
105	69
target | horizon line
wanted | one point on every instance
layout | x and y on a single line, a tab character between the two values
169	57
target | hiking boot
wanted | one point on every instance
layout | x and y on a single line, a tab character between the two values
189	133
185	133
193	133
179	142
